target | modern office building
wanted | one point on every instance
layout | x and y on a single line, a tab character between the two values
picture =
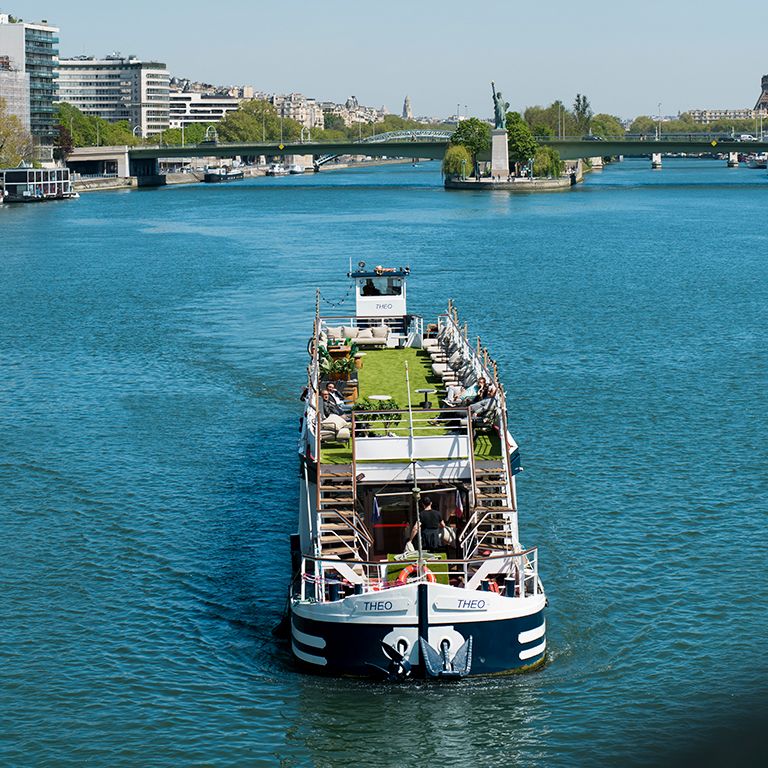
30	53
118	88
187	108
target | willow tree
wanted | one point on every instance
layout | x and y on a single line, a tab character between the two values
457	161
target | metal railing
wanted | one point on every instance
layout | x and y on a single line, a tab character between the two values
325	579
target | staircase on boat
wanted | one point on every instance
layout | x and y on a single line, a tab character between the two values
341	532
491	524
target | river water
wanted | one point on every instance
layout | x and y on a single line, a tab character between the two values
152	346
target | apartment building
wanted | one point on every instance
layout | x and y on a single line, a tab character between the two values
118	88
187	107
30	54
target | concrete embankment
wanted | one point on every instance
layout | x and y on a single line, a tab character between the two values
515	185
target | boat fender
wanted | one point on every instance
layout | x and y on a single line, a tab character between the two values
409	570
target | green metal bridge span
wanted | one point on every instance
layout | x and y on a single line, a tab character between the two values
432	145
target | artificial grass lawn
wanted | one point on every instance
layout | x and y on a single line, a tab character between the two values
383	373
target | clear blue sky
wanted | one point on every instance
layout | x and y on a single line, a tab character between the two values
626	57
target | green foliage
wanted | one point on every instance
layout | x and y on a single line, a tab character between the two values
556	118
333	122
582	111
547	162
15	141
607	127
90	131
542	131
522	145
457	161
474	134
643	124
193	134
256	121
372	410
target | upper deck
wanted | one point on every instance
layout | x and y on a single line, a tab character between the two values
395	376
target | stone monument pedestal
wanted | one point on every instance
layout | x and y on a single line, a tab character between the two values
499	153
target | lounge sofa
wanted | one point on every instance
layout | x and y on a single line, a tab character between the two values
376	336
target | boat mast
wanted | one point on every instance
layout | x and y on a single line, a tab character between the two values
416	491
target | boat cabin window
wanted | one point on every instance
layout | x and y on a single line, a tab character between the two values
381	286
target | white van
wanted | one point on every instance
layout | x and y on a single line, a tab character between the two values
747	137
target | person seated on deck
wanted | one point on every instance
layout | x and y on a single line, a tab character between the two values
483	403
328	406
337	399
431	524
458	395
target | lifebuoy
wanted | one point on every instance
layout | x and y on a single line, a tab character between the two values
411	569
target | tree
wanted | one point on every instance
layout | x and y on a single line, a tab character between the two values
193	134
256	120
90	130
15	140
457	161
556	118
334	122
582	111
643	124
475	135
63	144
607	126
547	162
522	145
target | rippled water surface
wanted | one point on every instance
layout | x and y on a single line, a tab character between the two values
152	346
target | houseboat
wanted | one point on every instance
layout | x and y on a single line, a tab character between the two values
408	560
222	174
34	185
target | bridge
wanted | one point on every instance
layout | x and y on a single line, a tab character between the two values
142	161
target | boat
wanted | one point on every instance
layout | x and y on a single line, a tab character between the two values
379	587
35	185
222	174
758	161
294	169
277	169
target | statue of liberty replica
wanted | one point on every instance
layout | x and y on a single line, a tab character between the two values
499	108
499	141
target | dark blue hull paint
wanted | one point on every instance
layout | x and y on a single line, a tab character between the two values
351	649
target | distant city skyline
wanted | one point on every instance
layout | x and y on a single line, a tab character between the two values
627	60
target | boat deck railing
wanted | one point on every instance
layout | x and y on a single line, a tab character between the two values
399	325
511	574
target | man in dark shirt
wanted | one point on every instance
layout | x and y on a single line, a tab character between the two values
431	523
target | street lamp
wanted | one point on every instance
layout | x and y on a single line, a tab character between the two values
658	128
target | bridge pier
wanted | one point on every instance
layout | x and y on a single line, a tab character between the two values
656	160
733	160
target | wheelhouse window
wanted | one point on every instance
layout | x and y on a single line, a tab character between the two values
380	286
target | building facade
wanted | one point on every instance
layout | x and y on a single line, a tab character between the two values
32	51
14	90
188	108
118	88
707	116
297	107
407	111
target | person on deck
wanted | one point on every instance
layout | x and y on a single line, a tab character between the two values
338	400
328	406
431	524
